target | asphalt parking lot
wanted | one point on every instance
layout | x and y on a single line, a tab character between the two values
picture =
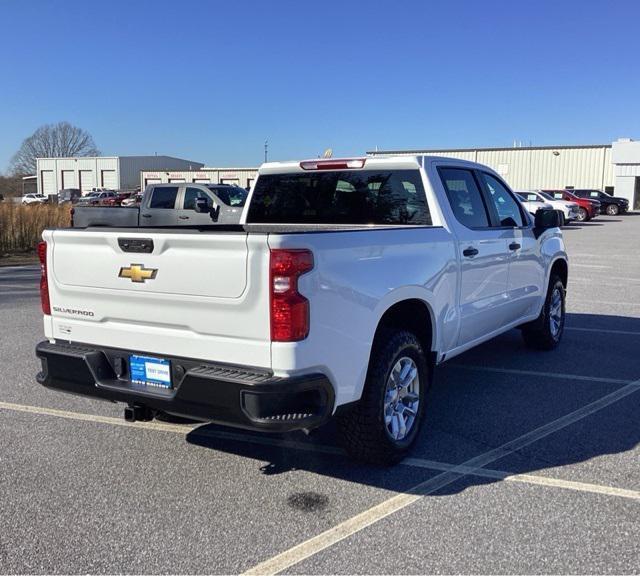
529	461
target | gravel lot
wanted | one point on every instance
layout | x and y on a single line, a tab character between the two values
529	462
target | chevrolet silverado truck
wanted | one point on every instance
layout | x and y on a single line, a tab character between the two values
344	285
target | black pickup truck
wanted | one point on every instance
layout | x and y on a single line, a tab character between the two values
169	205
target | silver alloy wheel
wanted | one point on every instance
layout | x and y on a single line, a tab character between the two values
582	215
555	313
402	397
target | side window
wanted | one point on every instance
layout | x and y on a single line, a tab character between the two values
164	197
594	194
190	196
465	197
506	206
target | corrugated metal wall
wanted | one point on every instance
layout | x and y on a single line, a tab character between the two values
119	172
83	169
132	166
531	168
241	176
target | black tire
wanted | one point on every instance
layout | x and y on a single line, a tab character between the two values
613	210
583	216
545	332
363	430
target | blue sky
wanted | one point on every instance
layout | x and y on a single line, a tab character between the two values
210	81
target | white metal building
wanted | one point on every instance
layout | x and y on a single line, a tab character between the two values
626	158
239	176
112	172
541	167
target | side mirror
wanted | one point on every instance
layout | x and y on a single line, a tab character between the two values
545	219
203	205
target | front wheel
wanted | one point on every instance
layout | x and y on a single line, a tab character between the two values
546	331
612	210
384	424
582	215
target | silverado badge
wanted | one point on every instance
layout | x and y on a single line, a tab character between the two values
138	273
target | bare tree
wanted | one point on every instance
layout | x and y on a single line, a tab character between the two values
59	140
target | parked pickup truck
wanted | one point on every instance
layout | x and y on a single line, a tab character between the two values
343	286
169	205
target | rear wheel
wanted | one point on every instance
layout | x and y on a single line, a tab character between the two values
612	210
383	426
546	331
582	215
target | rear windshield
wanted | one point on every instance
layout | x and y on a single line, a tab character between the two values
341	197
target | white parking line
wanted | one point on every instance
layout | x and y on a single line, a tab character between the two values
357	523
542	374
590	279
528	479
450	473
20	286
269	441
576	265
608	302
604	331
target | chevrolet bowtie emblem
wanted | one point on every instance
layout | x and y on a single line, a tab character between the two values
138	273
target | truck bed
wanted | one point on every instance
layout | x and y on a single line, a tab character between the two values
256	228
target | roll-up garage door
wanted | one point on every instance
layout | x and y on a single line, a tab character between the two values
86	181
201	180
47	182
232	181
179	180
68	179
148	181
109	179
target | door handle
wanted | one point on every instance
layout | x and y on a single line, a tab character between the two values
514	246
469	252
183	217
146	215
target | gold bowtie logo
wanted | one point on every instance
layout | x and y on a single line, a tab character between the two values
138	273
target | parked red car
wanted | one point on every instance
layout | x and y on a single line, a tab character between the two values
117	199
588	208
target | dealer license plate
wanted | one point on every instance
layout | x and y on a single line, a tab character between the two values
150	371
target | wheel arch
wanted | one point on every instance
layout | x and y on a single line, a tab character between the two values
560	266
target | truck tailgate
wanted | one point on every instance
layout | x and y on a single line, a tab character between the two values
195	294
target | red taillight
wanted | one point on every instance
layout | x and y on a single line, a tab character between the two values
44	284
289	308
332	164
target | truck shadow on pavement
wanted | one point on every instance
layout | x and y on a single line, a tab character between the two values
481	400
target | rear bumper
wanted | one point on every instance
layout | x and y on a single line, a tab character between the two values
233	395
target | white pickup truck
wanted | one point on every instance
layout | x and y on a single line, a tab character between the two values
346	282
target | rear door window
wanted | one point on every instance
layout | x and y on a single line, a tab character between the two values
464	197
341	197
164	197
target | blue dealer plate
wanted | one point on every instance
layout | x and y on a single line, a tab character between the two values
150	371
